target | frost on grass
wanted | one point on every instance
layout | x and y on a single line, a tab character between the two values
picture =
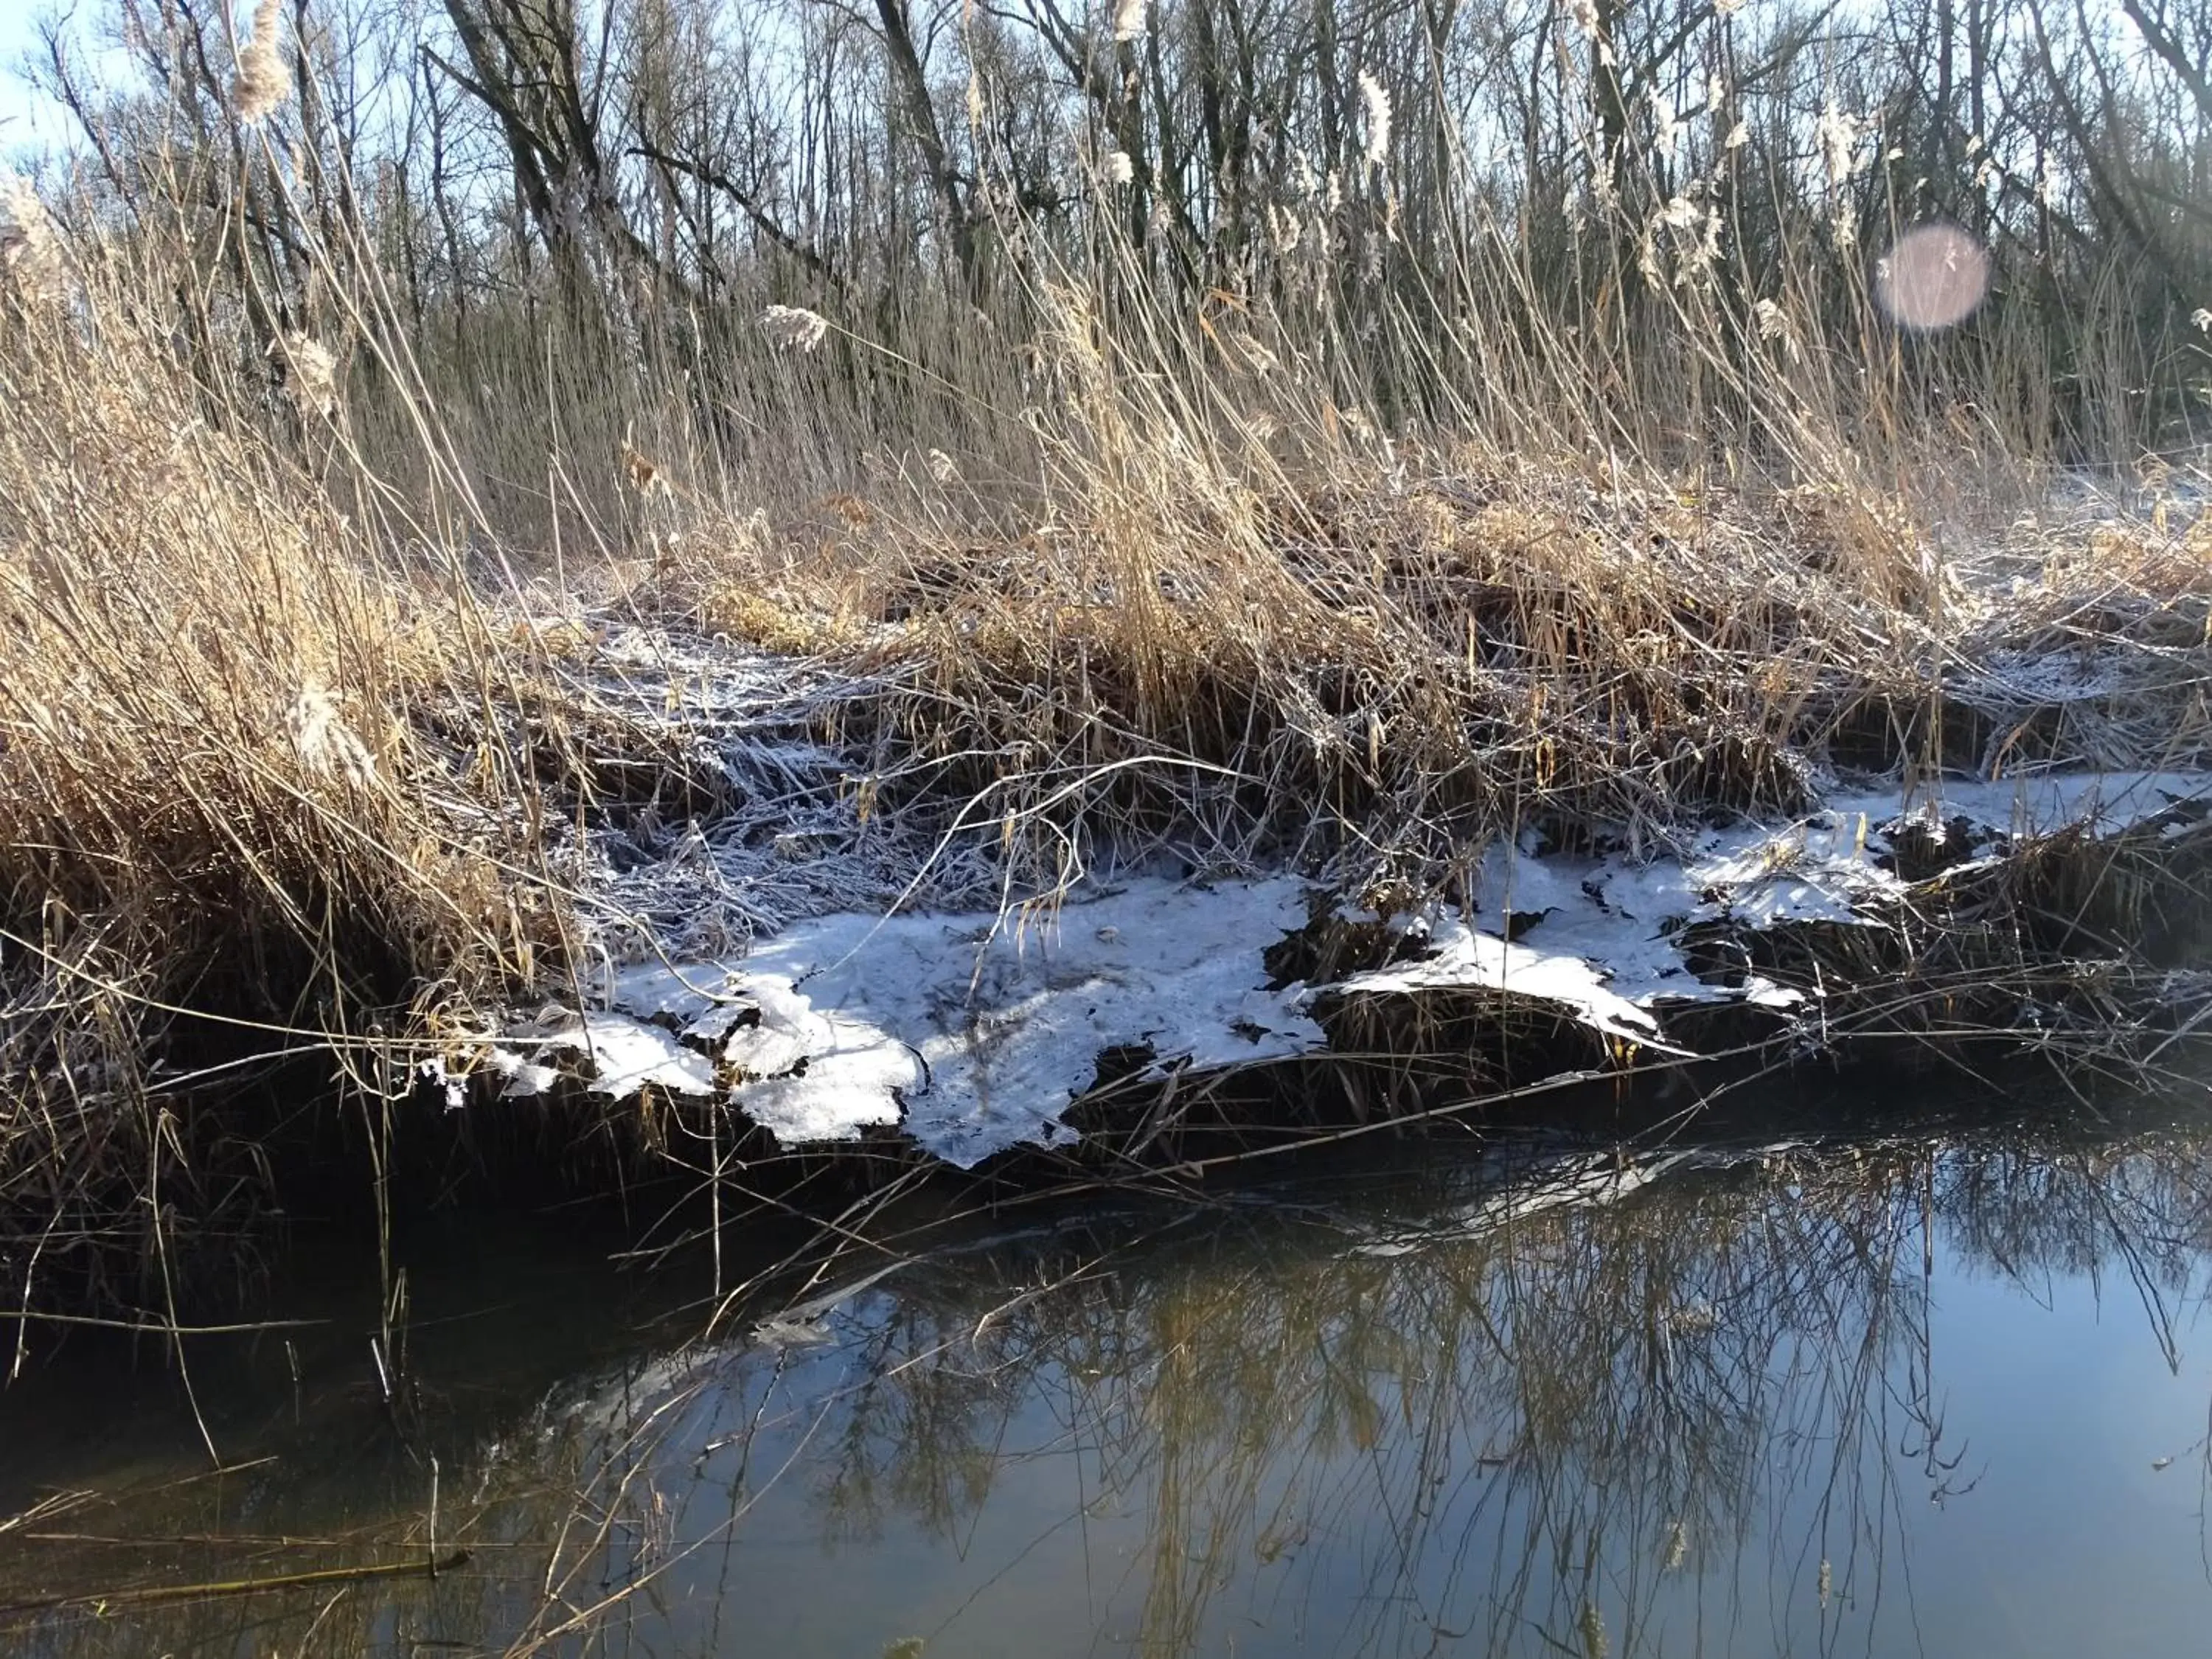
793	837
832	971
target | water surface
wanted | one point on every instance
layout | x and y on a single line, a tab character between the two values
1939	1388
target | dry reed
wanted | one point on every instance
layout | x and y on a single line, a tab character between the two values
281	742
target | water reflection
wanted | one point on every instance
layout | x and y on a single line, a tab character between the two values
1886	1395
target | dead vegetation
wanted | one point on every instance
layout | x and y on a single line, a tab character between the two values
307	746
1404	649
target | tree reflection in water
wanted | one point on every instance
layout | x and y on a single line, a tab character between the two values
1551	1401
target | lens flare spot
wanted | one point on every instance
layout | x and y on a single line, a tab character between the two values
1933	277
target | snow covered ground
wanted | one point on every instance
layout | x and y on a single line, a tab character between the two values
831	968
972	1028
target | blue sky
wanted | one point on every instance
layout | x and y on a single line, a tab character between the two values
26	121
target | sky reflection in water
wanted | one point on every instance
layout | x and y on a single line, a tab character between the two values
1894	1396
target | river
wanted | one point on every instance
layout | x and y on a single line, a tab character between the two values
1889	1380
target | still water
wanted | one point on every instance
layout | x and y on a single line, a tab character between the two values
1935	1388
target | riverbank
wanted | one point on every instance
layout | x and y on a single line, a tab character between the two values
631	898
1220	783
1176	1010
989	918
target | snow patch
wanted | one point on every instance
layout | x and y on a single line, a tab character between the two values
1603	937
628	1055
975	1032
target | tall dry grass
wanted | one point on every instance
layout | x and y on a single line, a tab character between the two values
1243	605
279	750
251	798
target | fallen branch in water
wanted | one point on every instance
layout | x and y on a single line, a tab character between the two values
158	1593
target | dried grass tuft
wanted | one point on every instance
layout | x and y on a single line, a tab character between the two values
31	254
264	81
238	774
